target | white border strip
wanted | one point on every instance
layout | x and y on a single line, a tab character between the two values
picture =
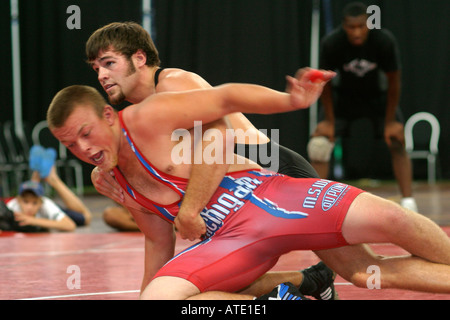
120	292
81	295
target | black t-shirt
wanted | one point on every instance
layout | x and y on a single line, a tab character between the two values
361	79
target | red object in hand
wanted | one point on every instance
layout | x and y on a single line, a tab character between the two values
316	75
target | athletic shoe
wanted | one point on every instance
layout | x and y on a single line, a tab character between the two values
409	203
284	291
318	282
47	161
36	153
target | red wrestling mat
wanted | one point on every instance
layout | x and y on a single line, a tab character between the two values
63	266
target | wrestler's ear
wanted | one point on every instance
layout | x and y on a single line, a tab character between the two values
109	114
140	58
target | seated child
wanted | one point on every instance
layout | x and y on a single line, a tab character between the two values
35	212
32	208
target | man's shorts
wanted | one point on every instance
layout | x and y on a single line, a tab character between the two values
253	219
288	162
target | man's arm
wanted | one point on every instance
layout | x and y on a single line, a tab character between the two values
65	224
204	180
159	242
204	177
393	94
393	129
181	110
157	253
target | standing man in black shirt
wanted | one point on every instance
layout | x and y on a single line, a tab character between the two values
364	60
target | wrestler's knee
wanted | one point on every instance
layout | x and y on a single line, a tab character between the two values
372	219
110	214
395	218
169	288
118	217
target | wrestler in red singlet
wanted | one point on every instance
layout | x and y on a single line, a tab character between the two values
254	217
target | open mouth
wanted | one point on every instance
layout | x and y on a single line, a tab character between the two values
97	158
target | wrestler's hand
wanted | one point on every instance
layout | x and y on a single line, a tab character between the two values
190	227
105	184
307	86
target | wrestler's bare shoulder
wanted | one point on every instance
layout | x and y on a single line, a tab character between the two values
174	79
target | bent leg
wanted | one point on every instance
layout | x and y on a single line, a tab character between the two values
120	219
371	219
398	272
350	262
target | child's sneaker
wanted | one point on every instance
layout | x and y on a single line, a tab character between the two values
36	153
47	162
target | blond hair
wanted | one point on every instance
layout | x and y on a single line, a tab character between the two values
66	101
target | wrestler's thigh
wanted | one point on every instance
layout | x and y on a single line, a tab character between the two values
371	219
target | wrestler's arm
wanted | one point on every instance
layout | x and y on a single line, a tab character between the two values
208	105
159	242
204	178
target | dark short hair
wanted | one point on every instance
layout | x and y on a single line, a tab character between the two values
354	9
125	38
66	101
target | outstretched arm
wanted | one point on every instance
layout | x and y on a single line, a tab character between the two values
180	110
